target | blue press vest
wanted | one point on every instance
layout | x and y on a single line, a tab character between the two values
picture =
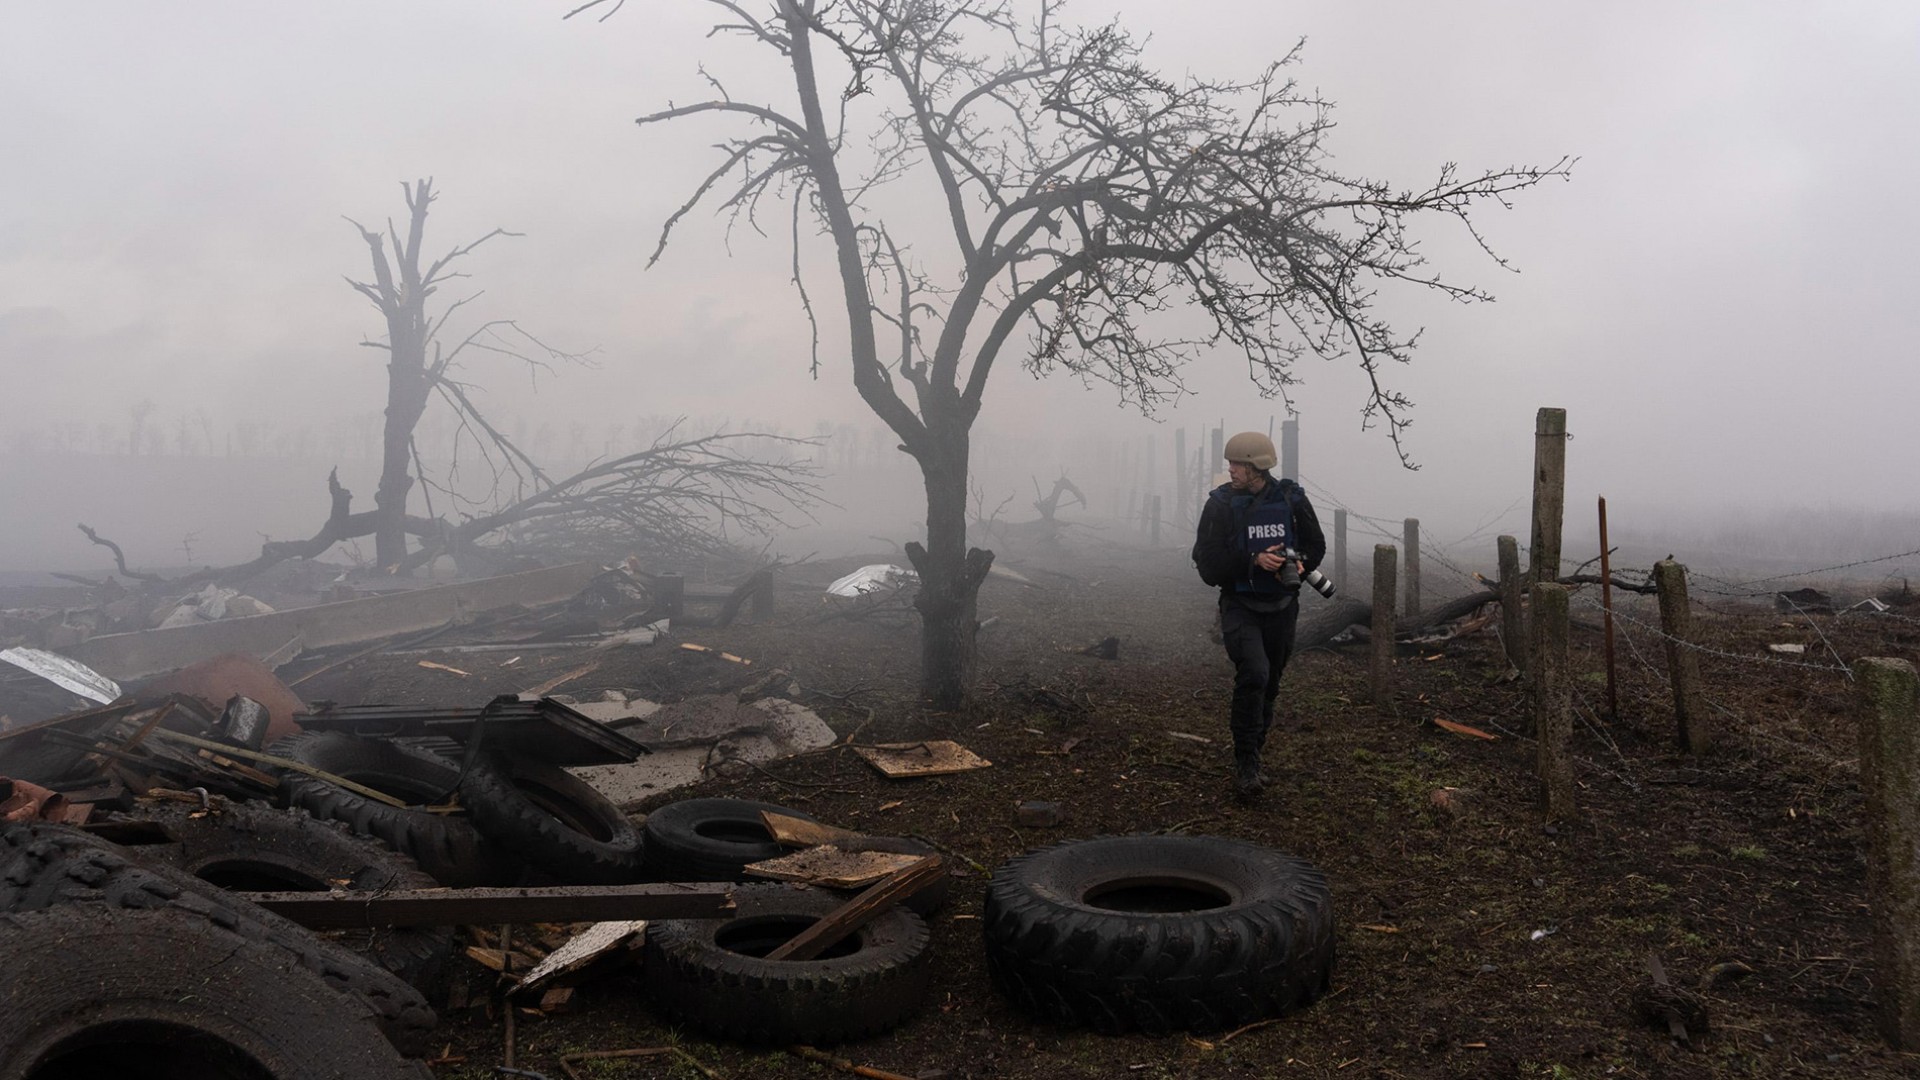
1260	522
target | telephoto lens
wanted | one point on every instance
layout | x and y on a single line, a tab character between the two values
1320	582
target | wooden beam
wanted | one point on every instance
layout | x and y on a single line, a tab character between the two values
463	907
859	911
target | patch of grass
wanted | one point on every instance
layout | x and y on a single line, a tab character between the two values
1749	853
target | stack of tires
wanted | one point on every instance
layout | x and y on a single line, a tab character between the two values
521	816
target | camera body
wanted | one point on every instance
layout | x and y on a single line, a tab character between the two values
1314	578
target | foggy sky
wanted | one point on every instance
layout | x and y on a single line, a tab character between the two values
1723	296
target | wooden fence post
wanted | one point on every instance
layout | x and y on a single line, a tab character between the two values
1381	669
1411	531
1552	701
1890	777
1549	493
1513	626
1683	667
1340	548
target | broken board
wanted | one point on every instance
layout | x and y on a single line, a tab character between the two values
833	868
583	949
937	757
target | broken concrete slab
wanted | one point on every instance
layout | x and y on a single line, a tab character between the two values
348	622
692	738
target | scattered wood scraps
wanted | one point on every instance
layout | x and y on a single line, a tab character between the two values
1463	729
691	647
431	666
935	757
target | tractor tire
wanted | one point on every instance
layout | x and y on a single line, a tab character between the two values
710	839
44	866
560	824
253	847
710	973
163	993
447	847
1159	933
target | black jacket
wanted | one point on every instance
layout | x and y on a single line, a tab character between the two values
1223	564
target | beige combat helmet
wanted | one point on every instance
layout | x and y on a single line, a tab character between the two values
1253	448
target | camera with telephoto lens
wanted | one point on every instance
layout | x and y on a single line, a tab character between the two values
1320	582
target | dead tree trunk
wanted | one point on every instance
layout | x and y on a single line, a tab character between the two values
950	577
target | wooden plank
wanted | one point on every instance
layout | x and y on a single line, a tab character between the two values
832	867
936	757
789	831
859	911
463	907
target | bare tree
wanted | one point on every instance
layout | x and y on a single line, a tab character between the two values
1098	218
679	495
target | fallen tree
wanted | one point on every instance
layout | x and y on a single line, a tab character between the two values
1321	626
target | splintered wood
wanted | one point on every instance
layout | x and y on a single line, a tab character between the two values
899	761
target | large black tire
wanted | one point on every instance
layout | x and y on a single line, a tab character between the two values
1159	933
44	866
710	839
709	973
553	819
252	847
446	846
167	995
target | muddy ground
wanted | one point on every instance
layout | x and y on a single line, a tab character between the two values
1751	855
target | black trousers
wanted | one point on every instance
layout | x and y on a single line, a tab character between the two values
1258	642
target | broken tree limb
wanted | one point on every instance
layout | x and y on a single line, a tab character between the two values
119	557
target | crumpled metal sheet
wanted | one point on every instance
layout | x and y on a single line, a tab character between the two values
23	801
874	578
64	673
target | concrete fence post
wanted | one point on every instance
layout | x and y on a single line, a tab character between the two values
1549	493
1381	668
1552	701
1411	531
1340	548
1513	625
1890	777
1683	666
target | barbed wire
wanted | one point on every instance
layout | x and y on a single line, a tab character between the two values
1708	649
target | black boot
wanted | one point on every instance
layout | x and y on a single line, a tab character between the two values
1247	781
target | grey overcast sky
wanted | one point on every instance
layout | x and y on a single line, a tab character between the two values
1723	297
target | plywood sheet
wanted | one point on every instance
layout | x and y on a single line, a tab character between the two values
936	757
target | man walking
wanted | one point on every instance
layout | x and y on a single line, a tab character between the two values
1248	527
